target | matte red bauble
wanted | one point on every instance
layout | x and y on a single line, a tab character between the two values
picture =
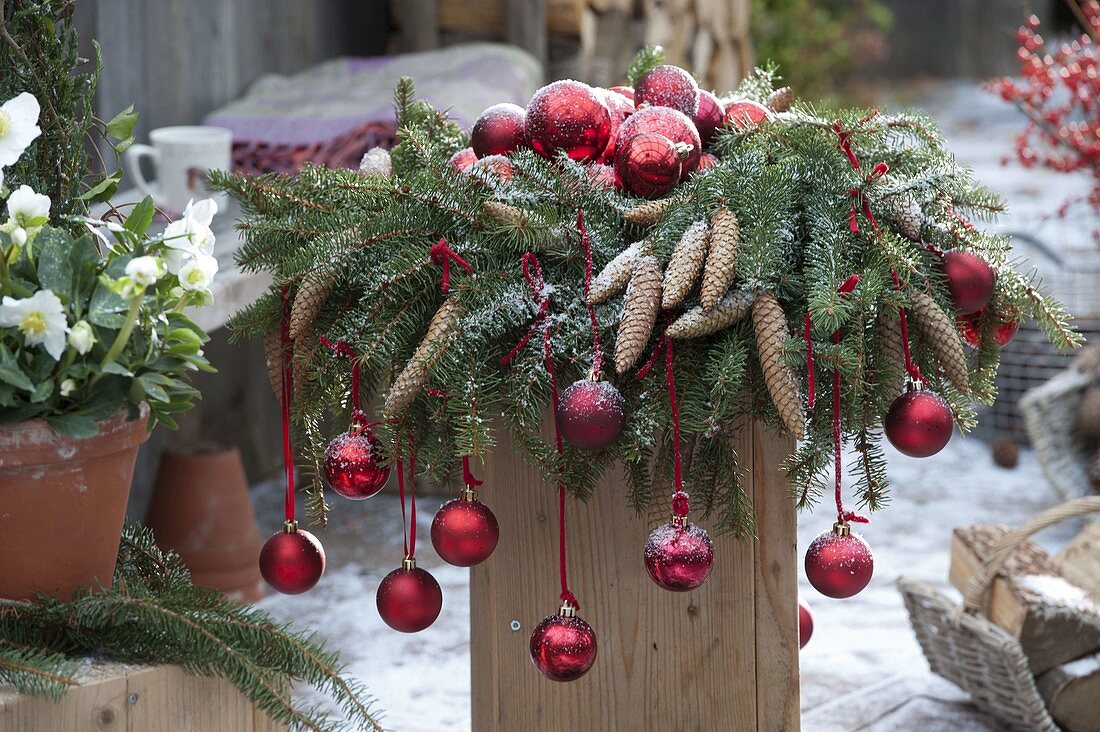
567	115
603	175
919	423
674	125
679	556
626	91
590	414
463	159
619	107
648	165
493	165
706	160
970	279
464	531
353	465
744	115
563	646
292	561
498	130
409	599
1005	332
839	564
668	86
805	623
708	118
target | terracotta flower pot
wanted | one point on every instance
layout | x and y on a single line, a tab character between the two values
62	504
201	509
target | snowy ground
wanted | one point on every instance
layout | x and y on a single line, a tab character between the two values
863	669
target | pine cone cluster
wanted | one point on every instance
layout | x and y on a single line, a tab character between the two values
510	215
308	301
649	213
902	211
616	274
696	322
780	100
640	310
939	331
414	377
685	265
891	351
721	265
770	327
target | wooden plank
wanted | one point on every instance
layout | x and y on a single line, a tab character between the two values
419	23
1071	692
562	17
525	26
668	660
97	705
165	699
1079	560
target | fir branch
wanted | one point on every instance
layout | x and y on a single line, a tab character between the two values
644	61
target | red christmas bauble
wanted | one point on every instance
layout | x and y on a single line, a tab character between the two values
648	165
464	532
626	91
668	86
563	647
590	414
409	599
805	623
839	565
970	279
568	115
604	175
493	165
1006	331
674	125
1004	328
463	159
708	118
919	423
498	130
619	107
292	561
679	558
353	465
744	114
970	328
706	161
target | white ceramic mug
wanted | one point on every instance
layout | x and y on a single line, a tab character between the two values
181	157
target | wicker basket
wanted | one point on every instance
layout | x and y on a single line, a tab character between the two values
1050	411
973	653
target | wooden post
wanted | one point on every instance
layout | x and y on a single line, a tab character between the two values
525	23
722	657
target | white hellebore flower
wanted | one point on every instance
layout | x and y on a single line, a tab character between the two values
190	235
143	271
81	337
198	273
40	318
18	127
68	386
27	213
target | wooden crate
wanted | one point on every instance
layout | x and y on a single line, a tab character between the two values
116	697
724	657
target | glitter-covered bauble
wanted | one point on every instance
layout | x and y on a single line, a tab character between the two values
706	161
970	328
708	117
744	114
668	86
805	623
648	165
919	423
492	166
1004	327
1006	330
619	107
603	175
590	414
292	561
464	531
463	159
568	115
353	465
674	125
563	646
626	91
839	564
409	598
679	555
498	130
970	279
376	161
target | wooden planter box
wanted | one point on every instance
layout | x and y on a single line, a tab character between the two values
724	657
114	697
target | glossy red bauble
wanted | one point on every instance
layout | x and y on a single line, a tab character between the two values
463	159
744	115
674	125
292	561
590	414
409	599
465	532
1004	328
839	565
604	176
353	465
970	329
679	557
492	166
563	647
805	623
568	115
1005	332
708	117
648	165
970	279
668	86
919	423
625	91
619	107
706	161
498	130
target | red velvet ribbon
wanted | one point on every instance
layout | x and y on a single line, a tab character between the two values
679	497
408	527
442	254
468	477
586	244
284	404
343	350
910	367
536	283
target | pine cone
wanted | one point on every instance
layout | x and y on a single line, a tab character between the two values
770	326
613	278
718	274
649	213
510	215
891	366
780	100
643	301
696	323
273	354
902	211
411	381
1005	452
305	347
684	266
939	331
308	301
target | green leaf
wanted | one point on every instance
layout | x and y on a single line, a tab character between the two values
107	308
10	373
77	426
122	126
84	258
114	367
103	190
55	268
153	390
42	391
139	219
